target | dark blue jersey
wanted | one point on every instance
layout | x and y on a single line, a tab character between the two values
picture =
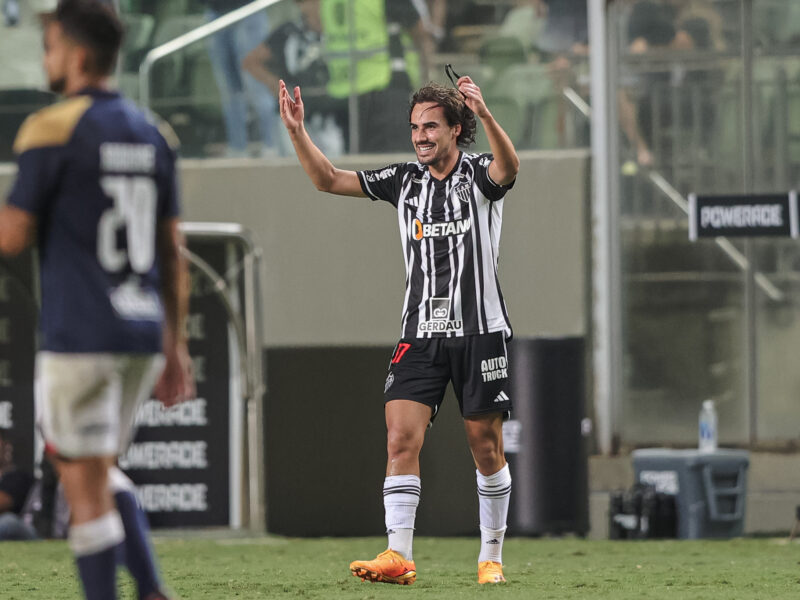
98	176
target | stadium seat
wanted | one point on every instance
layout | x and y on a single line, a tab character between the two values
499	53
523	23
544	126
530	83
776	23
138	33
203	108
532	89
183	88
138	30
511	116
169	75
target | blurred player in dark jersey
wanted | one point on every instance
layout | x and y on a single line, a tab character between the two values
449	207
96	190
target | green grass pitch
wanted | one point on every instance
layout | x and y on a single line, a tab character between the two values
217	568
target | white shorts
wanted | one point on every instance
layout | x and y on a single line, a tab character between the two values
86	403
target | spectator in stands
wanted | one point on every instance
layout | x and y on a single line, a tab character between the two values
46	507
566	28
675	25
437	19
525	22
702	21
655	27
392	47
563	41
227	48
15	484
11	12
293	52
463	22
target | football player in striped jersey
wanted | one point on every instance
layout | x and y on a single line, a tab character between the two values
449	205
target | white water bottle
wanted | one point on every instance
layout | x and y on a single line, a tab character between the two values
707	441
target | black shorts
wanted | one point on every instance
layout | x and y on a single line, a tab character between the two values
476	364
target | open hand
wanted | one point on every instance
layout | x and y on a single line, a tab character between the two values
473	96
292	111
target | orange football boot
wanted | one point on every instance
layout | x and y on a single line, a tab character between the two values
490	572
388	567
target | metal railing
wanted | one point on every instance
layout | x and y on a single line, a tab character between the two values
660	183
247	327
189	38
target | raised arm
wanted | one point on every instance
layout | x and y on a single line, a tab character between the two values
505	166
320	170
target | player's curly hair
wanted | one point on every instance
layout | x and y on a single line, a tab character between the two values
94	25
455	109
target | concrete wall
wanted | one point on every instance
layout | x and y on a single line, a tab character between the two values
333	266
333	269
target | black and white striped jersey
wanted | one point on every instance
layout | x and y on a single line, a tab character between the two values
450	231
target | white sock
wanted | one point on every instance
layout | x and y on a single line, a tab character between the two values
98	535
400	500
494	492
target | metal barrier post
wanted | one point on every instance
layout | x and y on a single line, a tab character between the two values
248	331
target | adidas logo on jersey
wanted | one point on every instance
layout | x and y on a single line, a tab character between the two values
502	397
493	542
437	230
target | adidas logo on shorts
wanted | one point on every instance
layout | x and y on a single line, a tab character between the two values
501	397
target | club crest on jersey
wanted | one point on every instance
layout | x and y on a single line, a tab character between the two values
463	191
440	230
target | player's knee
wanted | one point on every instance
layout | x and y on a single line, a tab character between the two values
85	482
403	442
488	454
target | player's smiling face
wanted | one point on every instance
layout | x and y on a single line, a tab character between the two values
433	138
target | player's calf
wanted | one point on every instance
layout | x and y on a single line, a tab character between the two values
95	545
137	553
97	531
